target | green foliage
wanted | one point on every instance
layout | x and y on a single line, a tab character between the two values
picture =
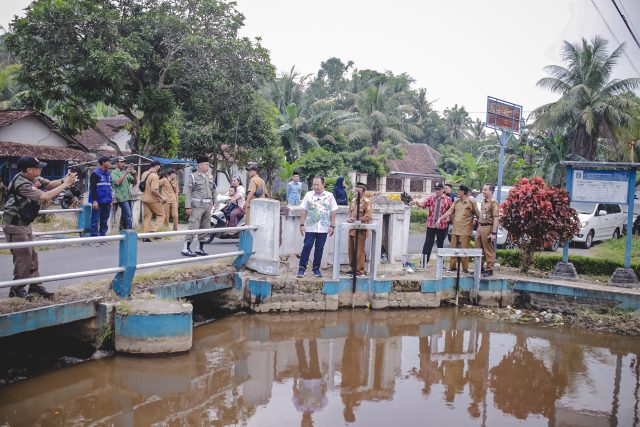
183	218
583	264
536	214
593	107
419	215
145	61
320	162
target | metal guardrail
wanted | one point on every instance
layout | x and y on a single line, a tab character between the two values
128	251
84	221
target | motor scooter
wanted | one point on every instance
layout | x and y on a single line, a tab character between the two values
220	220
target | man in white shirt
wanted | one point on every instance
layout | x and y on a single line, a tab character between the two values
317	222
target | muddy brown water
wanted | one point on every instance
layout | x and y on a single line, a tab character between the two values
387	368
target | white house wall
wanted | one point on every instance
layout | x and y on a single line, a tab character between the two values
121	139
31	131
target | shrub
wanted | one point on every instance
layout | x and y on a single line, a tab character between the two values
419	215
536	215
583	264
182	213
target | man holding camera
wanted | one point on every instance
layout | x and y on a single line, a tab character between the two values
25	193
122	178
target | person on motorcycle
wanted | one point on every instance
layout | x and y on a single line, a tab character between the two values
237	199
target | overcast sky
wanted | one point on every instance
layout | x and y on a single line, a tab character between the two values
460	50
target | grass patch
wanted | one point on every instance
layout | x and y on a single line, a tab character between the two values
614	250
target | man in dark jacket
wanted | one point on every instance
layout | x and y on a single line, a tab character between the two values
100	196
24	193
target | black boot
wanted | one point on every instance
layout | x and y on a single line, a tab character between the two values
201	251
40	290
19	293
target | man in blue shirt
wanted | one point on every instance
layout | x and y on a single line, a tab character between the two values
294	189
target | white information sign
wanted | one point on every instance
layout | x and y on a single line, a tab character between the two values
600	186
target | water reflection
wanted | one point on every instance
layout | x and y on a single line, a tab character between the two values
350	368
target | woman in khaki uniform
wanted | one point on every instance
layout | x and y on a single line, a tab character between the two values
169	189
152	200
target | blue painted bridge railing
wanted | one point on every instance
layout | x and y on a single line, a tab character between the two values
84	221
128	255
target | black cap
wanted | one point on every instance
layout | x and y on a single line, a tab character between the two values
25	162
103	159
253	168
202	159
155	163
361	185
438	186
463	188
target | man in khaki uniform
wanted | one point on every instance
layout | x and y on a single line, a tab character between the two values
169	189
488	228
198	202
257	190
462	211
152	200
25	192
365	218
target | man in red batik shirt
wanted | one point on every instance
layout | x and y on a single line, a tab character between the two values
437	204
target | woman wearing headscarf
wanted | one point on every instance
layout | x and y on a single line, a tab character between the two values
238	199
340	192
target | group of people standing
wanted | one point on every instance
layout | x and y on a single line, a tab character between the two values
109	189
460	210
318	221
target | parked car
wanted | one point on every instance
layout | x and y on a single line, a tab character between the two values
598	221
636	216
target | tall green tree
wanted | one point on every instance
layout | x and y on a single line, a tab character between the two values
457	122
146	58
591	104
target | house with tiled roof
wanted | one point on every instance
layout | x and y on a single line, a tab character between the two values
110	136
31	133
415	173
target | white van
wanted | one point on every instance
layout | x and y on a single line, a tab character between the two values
598	221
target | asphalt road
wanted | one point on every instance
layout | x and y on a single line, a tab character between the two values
80	258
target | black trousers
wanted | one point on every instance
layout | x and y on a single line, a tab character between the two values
433	234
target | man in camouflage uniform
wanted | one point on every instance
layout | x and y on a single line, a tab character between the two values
198	203
24	194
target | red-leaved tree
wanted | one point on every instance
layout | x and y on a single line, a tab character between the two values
535	215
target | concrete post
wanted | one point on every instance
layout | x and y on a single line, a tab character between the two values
84	220
265	214
406	185
245	244
382	187
121	284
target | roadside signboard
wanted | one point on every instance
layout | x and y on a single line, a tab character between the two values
600	186
503	115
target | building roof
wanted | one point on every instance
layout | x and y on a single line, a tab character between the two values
420	160
93	139
8	117
110	126
43	152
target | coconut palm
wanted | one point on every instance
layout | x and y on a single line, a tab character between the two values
591	104
383	111
293	132
457	122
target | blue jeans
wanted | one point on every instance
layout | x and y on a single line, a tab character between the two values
125	214
309	239
101	214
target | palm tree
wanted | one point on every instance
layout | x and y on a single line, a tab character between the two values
9	86
383	111
476	130
457	122
591	104
294	134
555	148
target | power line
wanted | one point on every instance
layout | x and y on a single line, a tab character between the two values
626	23
614	36
627	13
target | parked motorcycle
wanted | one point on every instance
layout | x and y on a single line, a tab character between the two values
220	220
72	196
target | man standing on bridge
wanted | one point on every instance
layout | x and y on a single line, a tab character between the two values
21	210
198	202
